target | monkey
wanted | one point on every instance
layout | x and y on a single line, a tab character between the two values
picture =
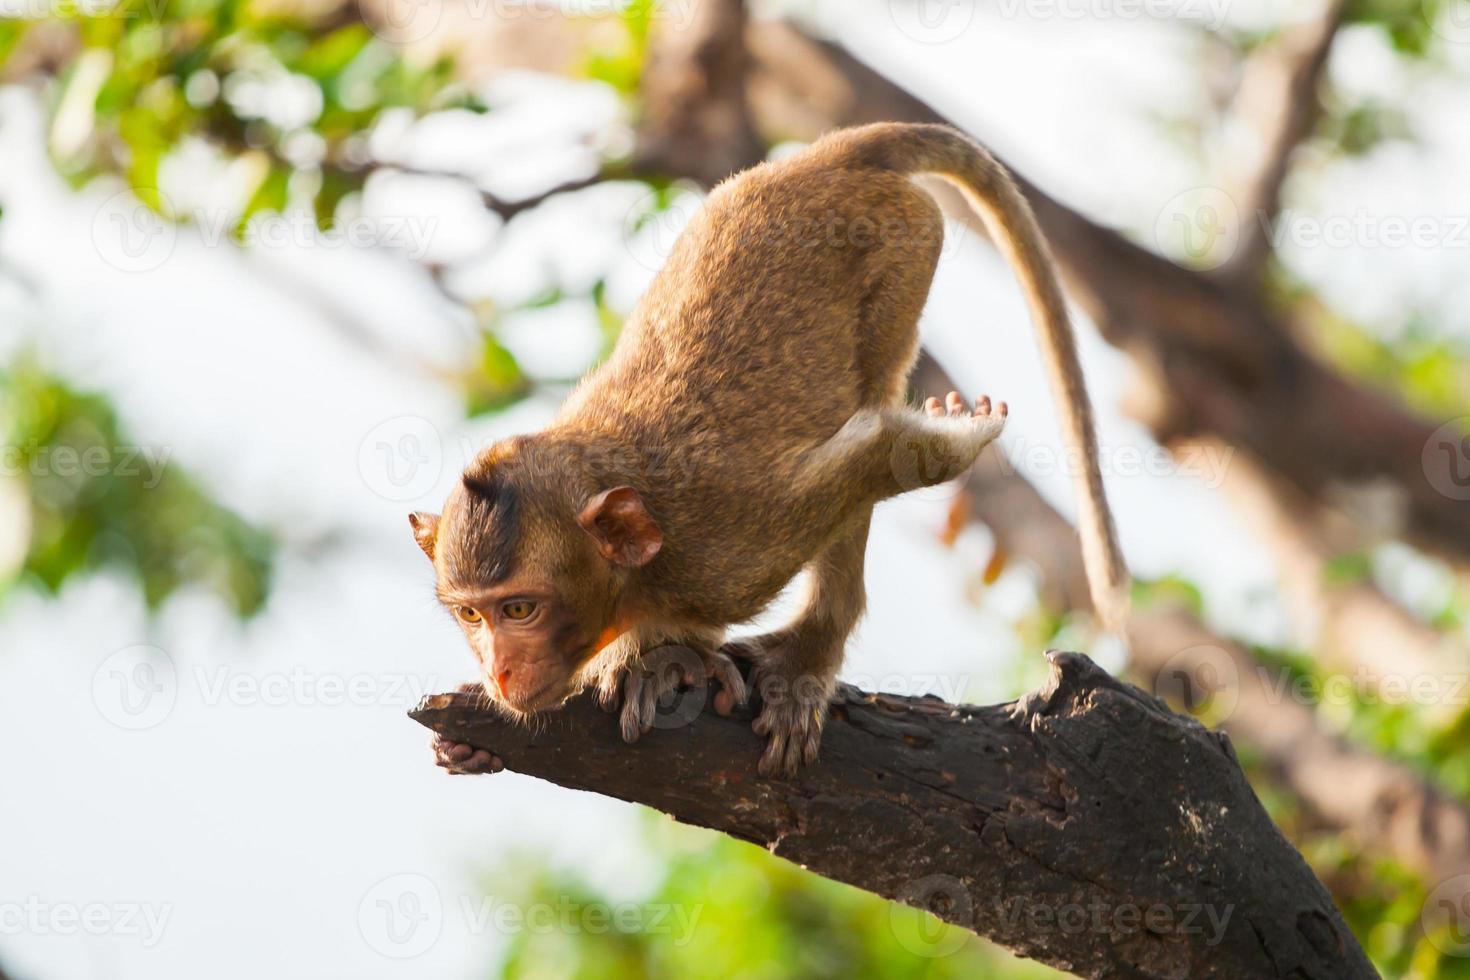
750	416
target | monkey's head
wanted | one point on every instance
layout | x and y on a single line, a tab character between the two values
533	573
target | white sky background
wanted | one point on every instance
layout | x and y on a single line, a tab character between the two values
263	829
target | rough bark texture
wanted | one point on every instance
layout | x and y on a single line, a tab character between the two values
1383	804
1085	826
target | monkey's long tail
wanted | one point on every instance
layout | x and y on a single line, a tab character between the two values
943	151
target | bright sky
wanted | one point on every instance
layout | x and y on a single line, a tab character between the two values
277	810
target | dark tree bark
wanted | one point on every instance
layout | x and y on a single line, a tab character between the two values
1085	826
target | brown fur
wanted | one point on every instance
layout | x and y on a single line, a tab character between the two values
753	405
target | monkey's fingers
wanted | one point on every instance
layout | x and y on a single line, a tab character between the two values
630	722
954	403
462	759
933	408
648	696
722	670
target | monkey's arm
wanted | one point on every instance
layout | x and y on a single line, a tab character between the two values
888	451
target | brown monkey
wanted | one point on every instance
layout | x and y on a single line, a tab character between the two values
747	422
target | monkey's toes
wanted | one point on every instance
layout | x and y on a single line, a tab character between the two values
463	759
722	670
641	692
793	735
983	408
645	683
953	406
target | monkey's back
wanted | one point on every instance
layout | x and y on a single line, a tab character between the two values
790	301
767	326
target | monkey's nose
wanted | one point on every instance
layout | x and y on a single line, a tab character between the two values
502	679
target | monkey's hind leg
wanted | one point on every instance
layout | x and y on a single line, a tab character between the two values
796	667
637	675
888	451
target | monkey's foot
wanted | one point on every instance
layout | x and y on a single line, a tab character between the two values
645	683
793	704
954	408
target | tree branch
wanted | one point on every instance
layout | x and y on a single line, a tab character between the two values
1277	103
1354	624
1085	825
1388	807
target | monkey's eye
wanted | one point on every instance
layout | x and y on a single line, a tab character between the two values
519	609
468	615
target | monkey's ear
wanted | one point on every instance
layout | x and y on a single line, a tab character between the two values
625	533
425	530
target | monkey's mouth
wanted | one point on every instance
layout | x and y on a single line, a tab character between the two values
525	705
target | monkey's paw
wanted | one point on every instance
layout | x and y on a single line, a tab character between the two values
793	706
645	684
462	759
986	422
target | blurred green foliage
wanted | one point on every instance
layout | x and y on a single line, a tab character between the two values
97	499
622	67
729	909
156	73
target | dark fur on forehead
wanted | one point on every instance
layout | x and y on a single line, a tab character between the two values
491	505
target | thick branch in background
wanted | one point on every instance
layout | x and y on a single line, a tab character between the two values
1275	108
1219	359
694	121
1351	622
1085	826
1386	806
